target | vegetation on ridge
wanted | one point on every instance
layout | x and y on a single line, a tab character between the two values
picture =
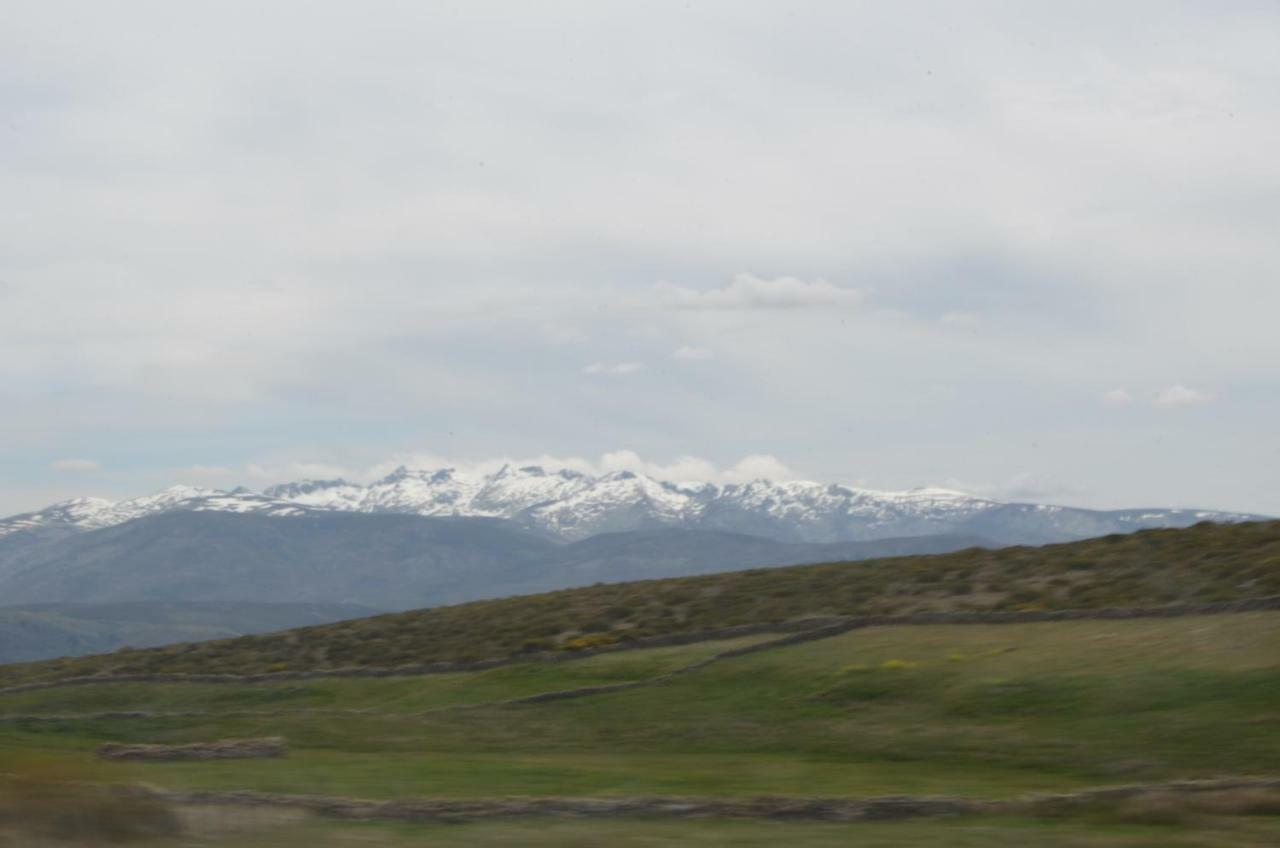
1204	563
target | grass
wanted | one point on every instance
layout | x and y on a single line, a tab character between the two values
390	694
971	710
979	710
1204	563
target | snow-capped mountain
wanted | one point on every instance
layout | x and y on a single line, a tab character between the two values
94	513
573	505
570	505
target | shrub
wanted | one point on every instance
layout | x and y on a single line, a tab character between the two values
1241	802
895	664
590	640
1165	808
45	801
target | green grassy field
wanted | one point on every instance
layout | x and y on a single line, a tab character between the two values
388	694
974	710
981	710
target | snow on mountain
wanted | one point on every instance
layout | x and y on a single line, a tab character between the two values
78	512
93	513
571	505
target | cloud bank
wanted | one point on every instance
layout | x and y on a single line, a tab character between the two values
750	292
920	246
75	465
682	469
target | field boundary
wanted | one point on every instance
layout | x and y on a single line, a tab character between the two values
537	697
802	630
881	808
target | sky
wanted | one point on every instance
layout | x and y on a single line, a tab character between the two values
1027	250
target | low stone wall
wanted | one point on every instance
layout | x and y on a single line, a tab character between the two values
803	630
441	667
223	749
55	718
784	807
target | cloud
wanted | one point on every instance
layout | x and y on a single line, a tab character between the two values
206	257
757	467
206	471
79	466
959	319
1179	395
613	368
751	292
296	471
682	469
691	354
1117	397
1024	486
692	469
687	469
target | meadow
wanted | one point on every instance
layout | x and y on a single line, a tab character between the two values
978	710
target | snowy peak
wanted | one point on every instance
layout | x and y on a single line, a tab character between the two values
572	505
76	512
320	494
95	513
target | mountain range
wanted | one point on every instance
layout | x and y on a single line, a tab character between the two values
186	563
572	506
385	561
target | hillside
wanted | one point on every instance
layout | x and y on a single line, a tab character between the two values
384	561
1199	564
966	712
42	631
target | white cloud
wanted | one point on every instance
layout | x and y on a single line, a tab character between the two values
75	465
206	471
757	467
295	471
683	469
691	354
1024	486
750	292
692	469
200	256
1117	397
959	319
1179	395
613	368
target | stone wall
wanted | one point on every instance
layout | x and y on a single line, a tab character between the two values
773	807
803	630
223	749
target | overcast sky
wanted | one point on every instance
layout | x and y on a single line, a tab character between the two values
1027	250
